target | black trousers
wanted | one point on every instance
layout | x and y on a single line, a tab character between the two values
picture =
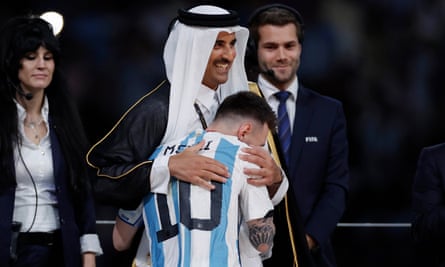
39	250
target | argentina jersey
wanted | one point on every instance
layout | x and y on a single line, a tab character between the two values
192	226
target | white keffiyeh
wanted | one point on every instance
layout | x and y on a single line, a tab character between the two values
186	54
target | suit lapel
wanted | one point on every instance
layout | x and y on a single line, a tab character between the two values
303	114
57	153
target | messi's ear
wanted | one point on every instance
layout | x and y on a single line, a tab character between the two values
243	130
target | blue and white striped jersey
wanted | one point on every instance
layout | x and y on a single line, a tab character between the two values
192	226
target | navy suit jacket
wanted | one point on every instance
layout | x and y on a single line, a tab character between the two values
429	204
76	217
318	169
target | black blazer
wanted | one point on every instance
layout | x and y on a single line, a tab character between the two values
428	200
318	171
76	218
121	157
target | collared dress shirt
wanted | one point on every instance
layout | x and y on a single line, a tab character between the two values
268	90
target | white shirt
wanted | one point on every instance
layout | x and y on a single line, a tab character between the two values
208	103
35	180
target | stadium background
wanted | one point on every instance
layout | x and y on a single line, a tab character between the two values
382	58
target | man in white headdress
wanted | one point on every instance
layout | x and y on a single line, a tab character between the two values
204	57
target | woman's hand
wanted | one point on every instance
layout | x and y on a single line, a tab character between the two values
89	259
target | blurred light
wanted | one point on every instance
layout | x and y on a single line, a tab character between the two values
55	19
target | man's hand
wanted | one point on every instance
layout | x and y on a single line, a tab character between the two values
199	170
269	173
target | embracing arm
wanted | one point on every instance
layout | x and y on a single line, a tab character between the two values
257	212
261	233
269	174
121	158
190	167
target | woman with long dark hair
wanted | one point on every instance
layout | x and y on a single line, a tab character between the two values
48	216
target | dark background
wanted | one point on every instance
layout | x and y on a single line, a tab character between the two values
382	58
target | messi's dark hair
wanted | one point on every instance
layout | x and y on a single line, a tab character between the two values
20	36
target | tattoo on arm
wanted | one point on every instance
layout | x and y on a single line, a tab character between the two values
261	233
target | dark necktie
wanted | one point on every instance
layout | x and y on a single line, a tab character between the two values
284	124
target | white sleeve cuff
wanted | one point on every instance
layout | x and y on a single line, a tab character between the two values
131	217
90	243
281	192
160	175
